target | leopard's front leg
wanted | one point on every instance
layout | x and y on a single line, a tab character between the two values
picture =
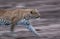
27	24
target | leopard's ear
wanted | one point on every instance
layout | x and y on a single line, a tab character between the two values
31	12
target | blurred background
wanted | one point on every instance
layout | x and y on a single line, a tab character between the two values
48	25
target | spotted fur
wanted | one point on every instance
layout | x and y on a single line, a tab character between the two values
15	15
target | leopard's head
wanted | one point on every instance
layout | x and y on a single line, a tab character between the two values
32	14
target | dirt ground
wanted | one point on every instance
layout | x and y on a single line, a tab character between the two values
48	26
